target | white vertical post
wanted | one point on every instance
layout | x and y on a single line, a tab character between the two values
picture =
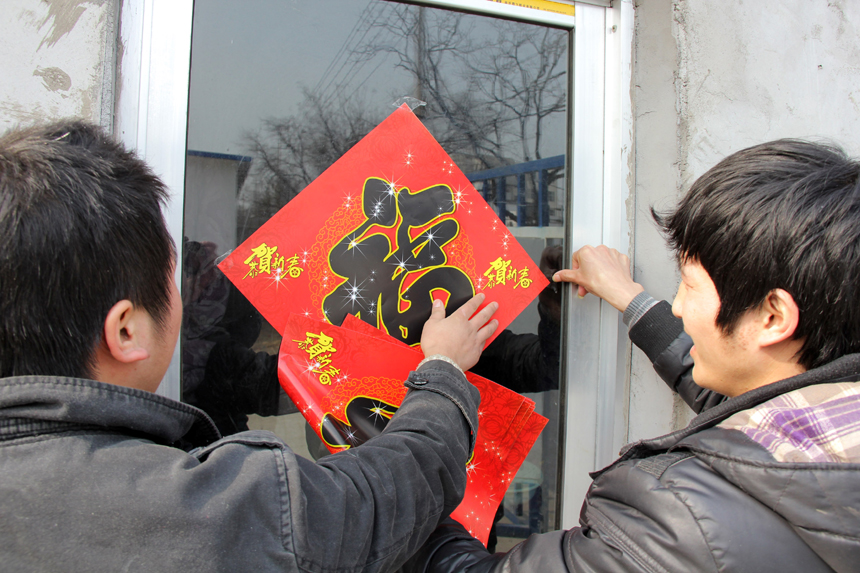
596	373
152	109
614	387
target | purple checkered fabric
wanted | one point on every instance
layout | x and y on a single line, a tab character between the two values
818	423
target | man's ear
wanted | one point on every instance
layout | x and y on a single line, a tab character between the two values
778	316
125	332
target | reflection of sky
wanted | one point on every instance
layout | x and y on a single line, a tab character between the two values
252	61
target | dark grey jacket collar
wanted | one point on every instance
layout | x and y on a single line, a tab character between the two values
57	401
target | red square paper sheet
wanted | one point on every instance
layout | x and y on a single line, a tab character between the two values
389	227
370	244
348	382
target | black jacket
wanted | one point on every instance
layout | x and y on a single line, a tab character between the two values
705	498
89	481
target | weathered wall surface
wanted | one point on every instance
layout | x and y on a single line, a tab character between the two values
58	60
714	77
653	409
756	71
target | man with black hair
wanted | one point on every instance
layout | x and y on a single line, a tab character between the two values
764	345
90	475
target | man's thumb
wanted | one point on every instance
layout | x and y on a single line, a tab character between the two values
438	310
564	276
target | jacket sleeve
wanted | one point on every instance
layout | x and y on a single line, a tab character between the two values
369	508
524	362
452	550
631	522
661	337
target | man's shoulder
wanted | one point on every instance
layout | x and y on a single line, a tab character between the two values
75	486
799	445
818	423
83	402
717	486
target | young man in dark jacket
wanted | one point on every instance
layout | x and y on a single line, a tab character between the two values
765	477
90	478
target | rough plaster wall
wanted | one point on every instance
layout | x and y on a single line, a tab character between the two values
653	409
58	60
711	78
753	71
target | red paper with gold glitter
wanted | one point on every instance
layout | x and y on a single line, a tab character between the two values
332	374
391	226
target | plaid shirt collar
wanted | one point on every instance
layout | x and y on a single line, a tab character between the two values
819	423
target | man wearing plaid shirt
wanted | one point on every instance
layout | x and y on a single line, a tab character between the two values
764	346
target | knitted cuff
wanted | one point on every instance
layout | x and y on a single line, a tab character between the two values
641	303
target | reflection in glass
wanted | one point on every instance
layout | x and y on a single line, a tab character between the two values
279	91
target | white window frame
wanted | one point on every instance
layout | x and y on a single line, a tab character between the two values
152	110
151	117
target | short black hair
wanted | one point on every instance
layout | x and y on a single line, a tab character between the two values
783	214
82	229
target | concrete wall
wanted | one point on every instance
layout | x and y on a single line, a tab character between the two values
58	60
711	78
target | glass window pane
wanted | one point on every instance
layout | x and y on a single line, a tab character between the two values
279	91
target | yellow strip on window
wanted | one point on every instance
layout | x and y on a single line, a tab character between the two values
545	5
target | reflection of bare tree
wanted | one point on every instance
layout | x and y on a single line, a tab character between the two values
490	91
291	152
486	93
524	79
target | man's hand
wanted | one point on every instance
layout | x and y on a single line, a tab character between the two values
461	337
603	272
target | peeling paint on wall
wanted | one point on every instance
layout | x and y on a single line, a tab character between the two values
54	79
59	60
63	15
17	113
711	78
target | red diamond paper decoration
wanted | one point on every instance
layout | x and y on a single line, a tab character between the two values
390	226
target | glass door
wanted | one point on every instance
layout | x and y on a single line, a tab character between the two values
279	91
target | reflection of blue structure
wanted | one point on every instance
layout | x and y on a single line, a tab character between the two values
226	156
522	504
496	177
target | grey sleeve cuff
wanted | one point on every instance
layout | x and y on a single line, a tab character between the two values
442	378
641	303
